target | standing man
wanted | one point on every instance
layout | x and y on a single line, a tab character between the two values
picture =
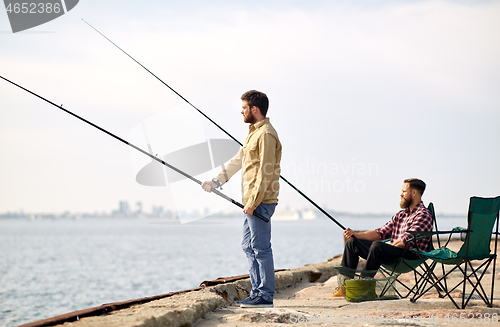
259	161
414	217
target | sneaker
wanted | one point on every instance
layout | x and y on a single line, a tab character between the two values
248	299
258	302
340	292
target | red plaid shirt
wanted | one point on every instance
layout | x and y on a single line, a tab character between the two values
419	219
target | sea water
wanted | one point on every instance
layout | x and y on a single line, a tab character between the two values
52	267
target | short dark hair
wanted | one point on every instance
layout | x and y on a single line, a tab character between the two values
257	99
416	184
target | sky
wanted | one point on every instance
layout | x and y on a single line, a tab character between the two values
363	95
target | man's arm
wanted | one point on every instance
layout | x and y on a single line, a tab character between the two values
370	235
386	231
399	243
229	170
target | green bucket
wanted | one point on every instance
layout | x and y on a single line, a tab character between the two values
357	290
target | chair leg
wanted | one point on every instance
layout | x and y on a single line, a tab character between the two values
388	273
415	287
445	282
480	291
412	290
438	282
428	277
425	279
464	281
436	286
493	277
465	284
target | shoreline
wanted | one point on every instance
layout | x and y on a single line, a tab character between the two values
184	307
302	297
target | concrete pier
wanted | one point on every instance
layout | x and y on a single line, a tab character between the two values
301	298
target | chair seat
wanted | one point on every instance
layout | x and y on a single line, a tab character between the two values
447	256
403	266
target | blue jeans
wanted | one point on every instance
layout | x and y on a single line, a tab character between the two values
256	244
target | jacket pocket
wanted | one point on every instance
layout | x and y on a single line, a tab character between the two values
251	152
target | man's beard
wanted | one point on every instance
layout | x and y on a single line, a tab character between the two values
405	203
250	119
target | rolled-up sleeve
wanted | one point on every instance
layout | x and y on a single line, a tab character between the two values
385	231
231	168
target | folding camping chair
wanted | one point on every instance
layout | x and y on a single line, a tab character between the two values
402	266
481	218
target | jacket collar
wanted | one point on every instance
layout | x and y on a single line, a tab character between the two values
419	205
259	124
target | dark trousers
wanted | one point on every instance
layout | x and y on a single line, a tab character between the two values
376	253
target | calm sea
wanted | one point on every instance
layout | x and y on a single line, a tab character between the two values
51	267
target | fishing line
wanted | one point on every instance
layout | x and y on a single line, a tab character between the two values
137	148
222	129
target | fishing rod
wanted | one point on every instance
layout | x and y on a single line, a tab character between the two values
138	149
222	129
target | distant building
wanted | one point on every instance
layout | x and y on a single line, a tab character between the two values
157	211
124	208
138	209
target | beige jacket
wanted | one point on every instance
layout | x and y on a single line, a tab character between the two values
259	161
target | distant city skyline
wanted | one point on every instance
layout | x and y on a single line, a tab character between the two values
123	209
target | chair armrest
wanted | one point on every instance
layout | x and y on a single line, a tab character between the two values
464	233
442	232
420	238
431	233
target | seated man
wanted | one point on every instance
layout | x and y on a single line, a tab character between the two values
368	245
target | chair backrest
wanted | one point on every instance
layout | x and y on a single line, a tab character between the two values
482	215
434	222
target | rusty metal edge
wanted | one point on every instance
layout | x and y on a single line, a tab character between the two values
102	309
223	280
106	308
